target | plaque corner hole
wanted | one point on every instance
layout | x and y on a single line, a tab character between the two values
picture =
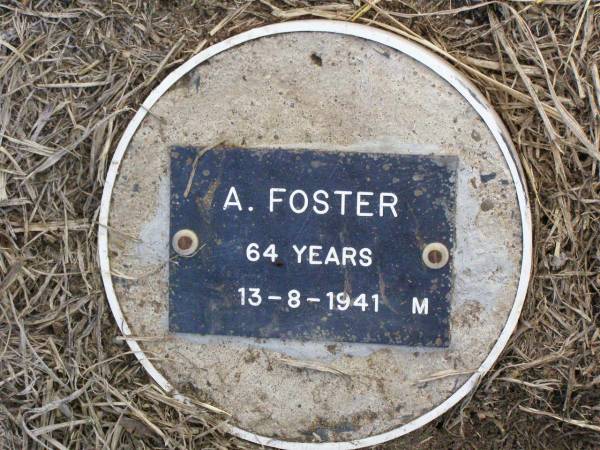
185	242
435	255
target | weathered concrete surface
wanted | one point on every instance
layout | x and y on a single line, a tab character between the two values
322	91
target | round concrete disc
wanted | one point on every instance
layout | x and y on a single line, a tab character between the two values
324	86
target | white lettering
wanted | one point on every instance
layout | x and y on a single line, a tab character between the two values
321	202
305	201
365	257
391	205
313	254
332	257
348	254
236	200
272	198
420	308
342	195
360	202
344	257
299	252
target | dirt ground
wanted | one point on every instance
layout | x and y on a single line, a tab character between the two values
72	73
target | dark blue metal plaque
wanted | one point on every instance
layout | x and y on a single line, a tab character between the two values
312	245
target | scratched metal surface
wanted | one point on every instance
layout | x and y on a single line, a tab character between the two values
204	296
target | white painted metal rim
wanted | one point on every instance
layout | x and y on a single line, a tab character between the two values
425	57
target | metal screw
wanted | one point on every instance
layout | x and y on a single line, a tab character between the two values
435	255
185	242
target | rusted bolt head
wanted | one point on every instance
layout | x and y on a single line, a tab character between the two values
185	242
435	255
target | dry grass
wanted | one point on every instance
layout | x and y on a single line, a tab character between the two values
73	72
